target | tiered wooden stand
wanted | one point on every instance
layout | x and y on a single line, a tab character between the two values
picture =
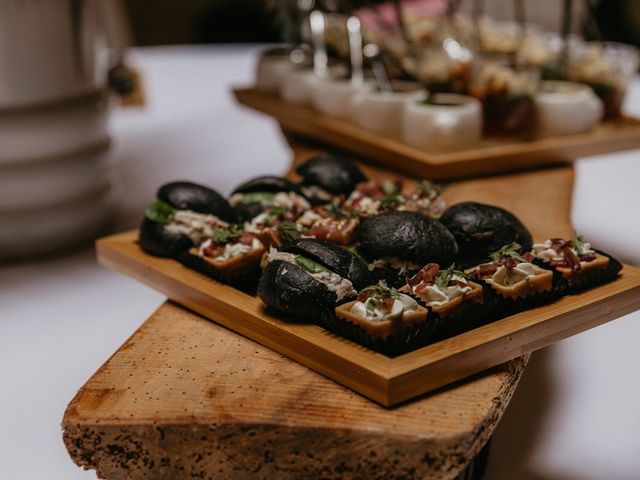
187	398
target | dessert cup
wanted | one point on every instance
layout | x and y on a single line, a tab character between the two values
448	122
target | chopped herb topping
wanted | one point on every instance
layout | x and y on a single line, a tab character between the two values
310	266
274	214
225	235
373	295
430	189
160	212
335	210
579	242
445	276
257	197
511	250
289	231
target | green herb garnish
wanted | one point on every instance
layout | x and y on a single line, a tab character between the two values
335	210
579	242
430	189
160	212
225	235
445	276
390	188
310	266
509	250
377	293
257	197
289	231
274	214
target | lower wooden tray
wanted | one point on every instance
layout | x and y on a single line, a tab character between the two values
383	379
186	398
491	156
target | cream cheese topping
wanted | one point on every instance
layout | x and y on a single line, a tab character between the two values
544	251
404	303
436	296
231	250
196	226
520	272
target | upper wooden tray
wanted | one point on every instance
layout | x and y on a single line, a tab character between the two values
383	379
492	156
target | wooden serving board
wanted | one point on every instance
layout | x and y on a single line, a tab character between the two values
186	398
383	379
491	156
393	380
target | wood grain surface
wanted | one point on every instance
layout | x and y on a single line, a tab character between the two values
187	398
535	197
491	156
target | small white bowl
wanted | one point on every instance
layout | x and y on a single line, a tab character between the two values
332	96
53	180
381	112
565	108
271	71
297	84
48	131
53	227
453	122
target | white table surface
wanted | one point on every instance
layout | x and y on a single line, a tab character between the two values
575	415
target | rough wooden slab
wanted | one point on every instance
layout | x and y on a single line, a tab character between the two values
489	157
186	398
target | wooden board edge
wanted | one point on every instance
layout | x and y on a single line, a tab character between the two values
493	159
358	373
404	378
386	380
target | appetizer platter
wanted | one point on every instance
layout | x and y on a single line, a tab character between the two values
445	94
369	279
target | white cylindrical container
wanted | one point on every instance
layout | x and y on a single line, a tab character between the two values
448	122
297	85
332	96
271	70
50	50
564	108
382	112
40	132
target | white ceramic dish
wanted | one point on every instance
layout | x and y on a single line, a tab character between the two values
53	180
271	71
297	84
564	108
50	50
332	96
453	122
53	227
382	112
49	131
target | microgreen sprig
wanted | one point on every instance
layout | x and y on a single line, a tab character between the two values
445	276
509	250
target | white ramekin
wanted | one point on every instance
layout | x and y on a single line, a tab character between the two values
453	122
381	112
271	71
332	96
564	108
49	51
297	84
48	131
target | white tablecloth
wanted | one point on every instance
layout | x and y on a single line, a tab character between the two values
575	414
